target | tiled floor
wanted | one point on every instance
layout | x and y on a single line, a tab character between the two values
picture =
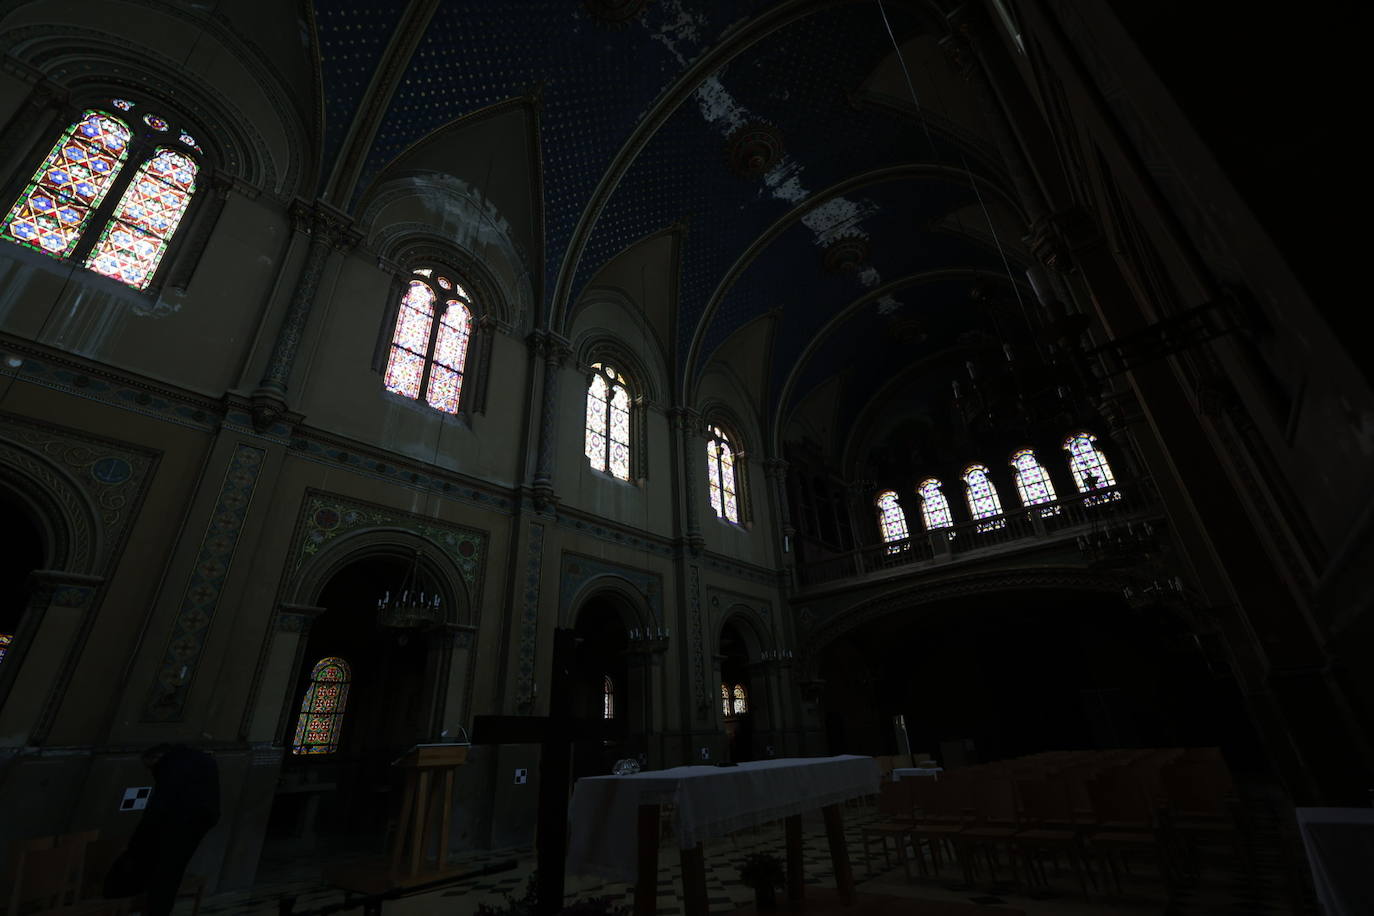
1222	888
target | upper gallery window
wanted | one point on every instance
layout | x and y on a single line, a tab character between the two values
983	501
1089	467
607	697
429	348
723	482
1033	484
608	422
891	519
84	205
322	709
934	506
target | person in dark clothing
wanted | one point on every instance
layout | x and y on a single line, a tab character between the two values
182	809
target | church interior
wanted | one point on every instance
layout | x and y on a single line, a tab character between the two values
951	390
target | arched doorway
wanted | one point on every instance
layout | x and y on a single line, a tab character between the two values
740	694
382	684
603	687
17	562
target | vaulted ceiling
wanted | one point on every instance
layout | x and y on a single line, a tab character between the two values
825	226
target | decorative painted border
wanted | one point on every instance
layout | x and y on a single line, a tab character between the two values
166	700
578	569
698	640
616	535
529	613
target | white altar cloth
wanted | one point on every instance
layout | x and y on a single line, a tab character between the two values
707	802
1340	843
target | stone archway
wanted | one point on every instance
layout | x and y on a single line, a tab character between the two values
746	669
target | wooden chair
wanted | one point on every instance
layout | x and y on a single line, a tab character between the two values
1200	810
941	815
894	806
1049	827
995	826
1125	822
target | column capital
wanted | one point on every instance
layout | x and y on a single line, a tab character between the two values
295	618
549	346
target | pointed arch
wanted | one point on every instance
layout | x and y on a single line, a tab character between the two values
934	507
322	708
983	501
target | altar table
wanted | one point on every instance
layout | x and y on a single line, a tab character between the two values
1339	843
615	819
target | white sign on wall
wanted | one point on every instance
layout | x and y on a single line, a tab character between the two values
135	798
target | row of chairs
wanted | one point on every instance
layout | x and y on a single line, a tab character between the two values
1088	806
62	875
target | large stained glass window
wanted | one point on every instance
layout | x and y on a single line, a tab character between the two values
322	710
891	519
608	422
72	181
1090	468
934	506
5	640
85	205
1033	484
608	698
132	243
720	469
741	700
429	346
983	501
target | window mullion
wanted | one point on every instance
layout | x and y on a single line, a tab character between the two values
100	217
434	326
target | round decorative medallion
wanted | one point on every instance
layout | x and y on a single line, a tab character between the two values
326	518
847	254
467	549
616	12
111	470
754	149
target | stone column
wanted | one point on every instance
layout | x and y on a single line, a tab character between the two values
32	674
775	472
329	231
554	351
274	706
686	425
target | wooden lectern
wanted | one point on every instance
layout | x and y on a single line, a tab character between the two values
425	766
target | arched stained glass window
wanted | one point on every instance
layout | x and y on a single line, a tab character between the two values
72	181
607	698
891	519
934	506
1033	484
430	355
132	243
741	700
720	469
84	205
1090	468
322	710
5	640
725	700
608	422
983	501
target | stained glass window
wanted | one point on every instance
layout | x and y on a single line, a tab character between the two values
156	123
322	710
983	501
720	470
429	355
741	700
5	640
934	506
608	698
891	519
1090	468
135	239
122	104
725	701
72	181
1032	482
607	442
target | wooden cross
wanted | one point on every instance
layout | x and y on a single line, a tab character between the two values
555	734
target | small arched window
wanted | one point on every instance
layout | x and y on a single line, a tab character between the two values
934	506
429	348
1033	484
66	211
608	422
322	709
891	519
721	471
725	700
1090	468
741	700
607	697
983	501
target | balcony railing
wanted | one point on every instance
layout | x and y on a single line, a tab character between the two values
1053	520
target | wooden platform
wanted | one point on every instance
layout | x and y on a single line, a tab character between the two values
825	901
